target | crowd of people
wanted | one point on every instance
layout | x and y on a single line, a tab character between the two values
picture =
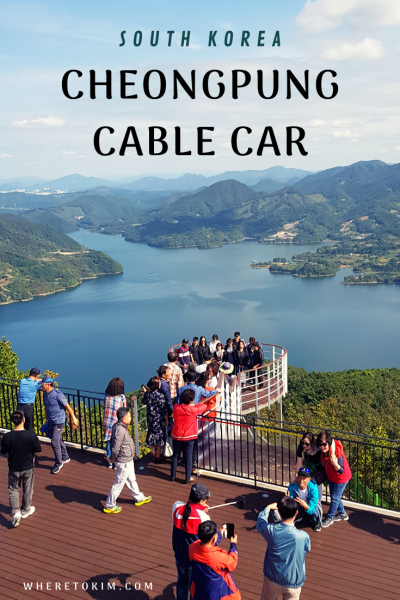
184	389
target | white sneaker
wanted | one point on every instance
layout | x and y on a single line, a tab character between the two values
16	519
29	513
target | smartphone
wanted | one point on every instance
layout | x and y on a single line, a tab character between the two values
228	530
145	388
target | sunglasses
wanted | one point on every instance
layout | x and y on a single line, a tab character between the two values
306	443
323	445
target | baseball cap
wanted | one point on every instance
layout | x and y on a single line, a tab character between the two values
47	380
199	492
303	472
185	341
34	371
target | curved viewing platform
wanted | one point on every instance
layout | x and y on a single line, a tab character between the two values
254	389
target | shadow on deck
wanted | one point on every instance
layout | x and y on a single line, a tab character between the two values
69	539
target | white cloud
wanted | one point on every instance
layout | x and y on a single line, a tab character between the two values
315	123
67	152
315	139
397	148
322	15
48	121
5	155
342	123
368	48
354	140
346	133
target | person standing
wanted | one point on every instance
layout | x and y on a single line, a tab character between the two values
236	340
27	395
114	398
309	456
229	352
241	357
198	390
212	567
219	353
21	445
185	432
55	404
187	518
205	355
213	344
157	417
122	452
184	355
175	375
338	473
164	387
258	362
194	350
284	563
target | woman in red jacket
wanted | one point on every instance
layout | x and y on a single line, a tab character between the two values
338	473
185	432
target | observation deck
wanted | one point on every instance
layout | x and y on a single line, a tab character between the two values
69	540
254	389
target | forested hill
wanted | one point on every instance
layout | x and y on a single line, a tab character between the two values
36	259
358	401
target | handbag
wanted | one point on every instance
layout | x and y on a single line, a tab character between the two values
319	475
168	449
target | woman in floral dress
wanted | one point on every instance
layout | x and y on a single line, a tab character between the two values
157	417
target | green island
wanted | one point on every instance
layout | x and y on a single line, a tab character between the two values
37	260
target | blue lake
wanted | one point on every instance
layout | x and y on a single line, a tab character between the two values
123	325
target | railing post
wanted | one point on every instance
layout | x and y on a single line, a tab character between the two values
78	395
256	381
136	427
255	454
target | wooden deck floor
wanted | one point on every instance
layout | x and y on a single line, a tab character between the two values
69	539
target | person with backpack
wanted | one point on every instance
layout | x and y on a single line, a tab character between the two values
187	518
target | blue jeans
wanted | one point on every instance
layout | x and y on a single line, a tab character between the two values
108	448
184	581
336	490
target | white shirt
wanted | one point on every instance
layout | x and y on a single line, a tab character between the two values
213	346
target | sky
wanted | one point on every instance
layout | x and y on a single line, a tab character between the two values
45	134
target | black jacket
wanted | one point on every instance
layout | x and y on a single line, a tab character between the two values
241	358
194	351
204	354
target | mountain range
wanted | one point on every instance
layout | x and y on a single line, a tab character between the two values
186	182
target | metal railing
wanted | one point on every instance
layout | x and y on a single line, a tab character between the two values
245	446
253	389
87	406
264	451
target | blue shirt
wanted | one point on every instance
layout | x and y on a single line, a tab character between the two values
55	403
27	390
284	562
198	390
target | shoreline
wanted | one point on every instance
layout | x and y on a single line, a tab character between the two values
61	289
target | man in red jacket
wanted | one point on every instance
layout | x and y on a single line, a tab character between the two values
212	567
184	432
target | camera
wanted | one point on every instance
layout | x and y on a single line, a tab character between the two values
228	530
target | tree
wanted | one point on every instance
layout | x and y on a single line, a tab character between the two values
9	362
